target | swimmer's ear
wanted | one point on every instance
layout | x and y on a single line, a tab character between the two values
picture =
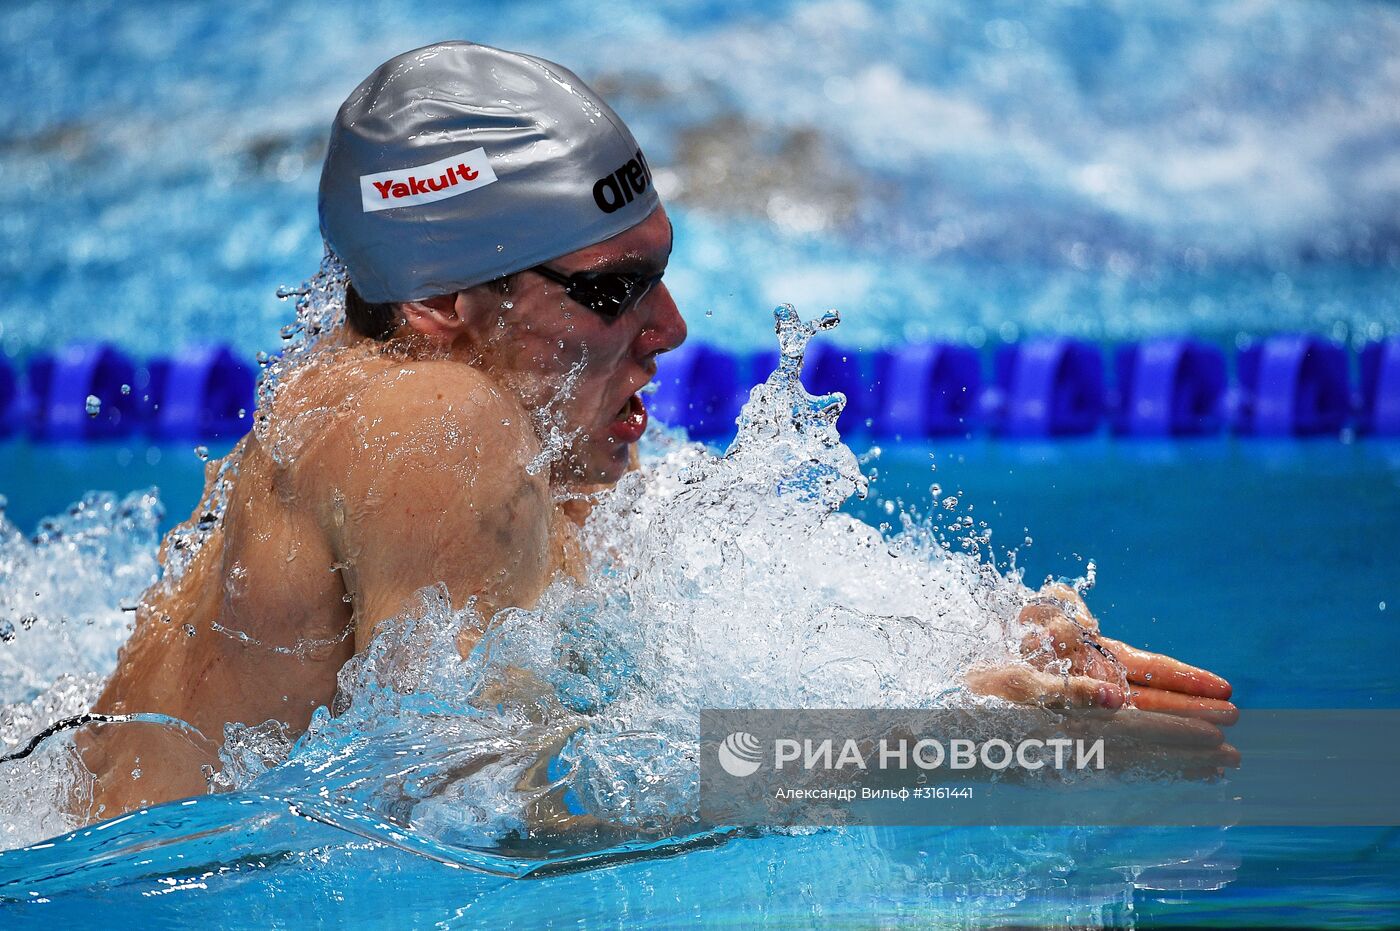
437	317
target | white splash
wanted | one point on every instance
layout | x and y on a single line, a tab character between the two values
719	581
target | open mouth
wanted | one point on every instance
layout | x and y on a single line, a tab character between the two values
630	421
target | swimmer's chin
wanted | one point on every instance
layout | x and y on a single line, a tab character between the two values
622	462
606	468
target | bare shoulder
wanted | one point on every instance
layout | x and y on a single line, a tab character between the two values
378	416
425	477
448	405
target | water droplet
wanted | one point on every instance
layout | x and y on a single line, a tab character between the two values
126	390
189	630
949	503
94	405
202	453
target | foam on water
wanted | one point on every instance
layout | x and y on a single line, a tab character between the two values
727	580
67	596
67	592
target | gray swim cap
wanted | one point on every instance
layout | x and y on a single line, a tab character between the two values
458	163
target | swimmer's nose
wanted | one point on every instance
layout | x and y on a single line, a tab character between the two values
664	329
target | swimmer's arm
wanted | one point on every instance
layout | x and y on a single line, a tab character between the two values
431	491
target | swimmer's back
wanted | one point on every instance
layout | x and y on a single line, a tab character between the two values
422	475
376	476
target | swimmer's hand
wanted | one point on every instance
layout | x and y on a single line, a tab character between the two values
1069	664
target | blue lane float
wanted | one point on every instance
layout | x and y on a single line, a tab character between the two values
1379	407
754	367
699	389
1046	388
83	392
9	399
927	390
1292	386
1287	385
829	368
1169	387
204	393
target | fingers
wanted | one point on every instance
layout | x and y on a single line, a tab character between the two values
1163	672
1166	732
1158	729
1061	611
1155	716
1162	743
1191	763
1217	712
1223	756
1162	684
1029	686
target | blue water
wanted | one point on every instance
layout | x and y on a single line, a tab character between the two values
1264	561
917	877
1202	546
966	170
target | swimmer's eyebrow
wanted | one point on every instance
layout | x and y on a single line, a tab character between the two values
632	264
640	264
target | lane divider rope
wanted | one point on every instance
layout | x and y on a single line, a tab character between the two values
1284	385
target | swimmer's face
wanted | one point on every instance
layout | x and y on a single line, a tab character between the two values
578	367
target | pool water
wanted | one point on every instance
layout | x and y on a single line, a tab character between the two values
971	171
961	171
1208	550
1202	546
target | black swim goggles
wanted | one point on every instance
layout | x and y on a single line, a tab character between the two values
607	294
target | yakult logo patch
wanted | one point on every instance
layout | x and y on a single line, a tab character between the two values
614	191
408	187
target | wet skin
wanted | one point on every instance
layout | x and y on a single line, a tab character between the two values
385	469
1161	712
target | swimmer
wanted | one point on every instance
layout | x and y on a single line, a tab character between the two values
505	248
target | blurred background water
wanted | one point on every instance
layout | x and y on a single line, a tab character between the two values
965	170
977	171
968	170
